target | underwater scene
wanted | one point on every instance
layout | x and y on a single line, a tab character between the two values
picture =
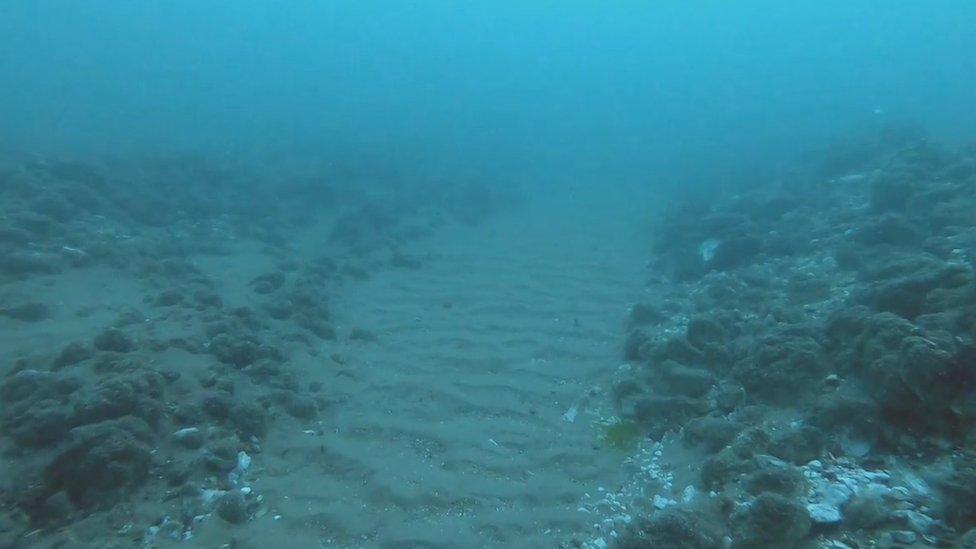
583	274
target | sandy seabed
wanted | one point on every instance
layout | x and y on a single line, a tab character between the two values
458	404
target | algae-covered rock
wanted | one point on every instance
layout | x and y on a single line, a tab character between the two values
671	529
102	461
114	340
776	364
770	521
643	314
712	432
786	481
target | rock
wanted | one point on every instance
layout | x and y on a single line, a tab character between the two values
642	314
734	253
267	283
208	298
678	350
319	327
866	511
189	437
662	413
102	461
890	192
15	236
278	310
232	507
660	502
72	354
57	509
848	408
689	382
777	364
704	331
786	481
241	350
723	468
32	409
168	298
713	433
729	396
771	520
634	345
20	265
891	229
798	444
906	537
824	513
218	406
136	394
360	334
968	539
27	312
114	340
403	261
671	528
905	287
249	419
220	455
301	407
957	489
917	521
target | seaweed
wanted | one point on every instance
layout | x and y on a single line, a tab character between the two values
621	435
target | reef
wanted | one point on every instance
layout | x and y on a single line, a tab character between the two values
149	414
812	342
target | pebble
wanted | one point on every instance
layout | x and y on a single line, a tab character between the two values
824	513
661	502
919	522
900	493
904	536
190	437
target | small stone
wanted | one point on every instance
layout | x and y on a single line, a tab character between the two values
243	461
904	536
661	502
918	522
190	437
899	493
824	513
835	494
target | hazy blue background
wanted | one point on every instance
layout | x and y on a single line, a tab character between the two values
561	88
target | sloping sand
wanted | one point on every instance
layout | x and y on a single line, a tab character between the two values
449	429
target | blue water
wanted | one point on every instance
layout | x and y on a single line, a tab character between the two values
625	88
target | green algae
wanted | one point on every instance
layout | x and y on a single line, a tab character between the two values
622	435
